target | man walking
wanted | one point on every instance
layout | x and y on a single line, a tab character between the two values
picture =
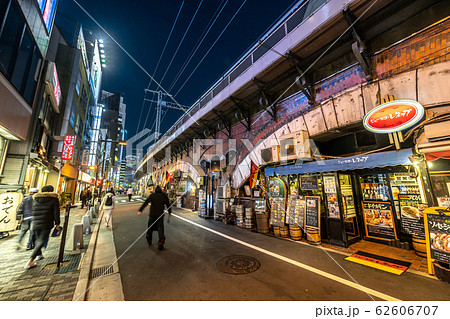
130	193
26	211
83	197
45	215
108	204
156	219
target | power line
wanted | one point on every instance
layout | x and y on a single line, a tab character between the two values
200	41
157	65
179	45
210	48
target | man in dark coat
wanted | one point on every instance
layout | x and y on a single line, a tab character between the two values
45	216
26	213
156	219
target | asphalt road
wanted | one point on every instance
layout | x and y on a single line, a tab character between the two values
186	269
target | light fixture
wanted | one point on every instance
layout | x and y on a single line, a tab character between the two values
101	45
103	60
102	51
103	56
100	41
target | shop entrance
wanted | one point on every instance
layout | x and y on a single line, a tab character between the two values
342	220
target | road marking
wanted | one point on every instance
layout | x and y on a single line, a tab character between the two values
298	264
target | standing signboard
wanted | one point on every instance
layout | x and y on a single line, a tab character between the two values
411	211
312	218
378	220
437	235
276	190
9	203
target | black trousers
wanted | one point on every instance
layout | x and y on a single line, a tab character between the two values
156	224
129	197
41	236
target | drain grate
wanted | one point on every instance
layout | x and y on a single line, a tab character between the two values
69	263
238	265
101	271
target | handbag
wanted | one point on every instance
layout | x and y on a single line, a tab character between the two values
56	232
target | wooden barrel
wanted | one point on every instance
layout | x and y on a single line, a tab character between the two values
276	231
295	232
284	231
420	245
262	223
249	218
313	236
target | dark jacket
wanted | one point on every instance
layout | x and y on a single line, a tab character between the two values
25	207
45	211
157	200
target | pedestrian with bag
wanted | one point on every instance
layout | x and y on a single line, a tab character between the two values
130	193
108	204
46	214
157	201
25	211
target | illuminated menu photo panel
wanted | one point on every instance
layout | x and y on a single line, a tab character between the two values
48	10
393	116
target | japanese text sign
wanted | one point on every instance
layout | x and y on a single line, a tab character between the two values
69	142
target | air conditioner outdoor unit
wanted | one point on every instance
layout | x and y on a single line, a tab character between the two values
223	192
295	146
270	155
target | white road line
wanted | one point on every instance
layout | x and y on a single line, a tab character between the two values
298	264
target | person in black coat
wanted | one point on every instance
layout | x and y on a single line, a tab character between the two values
45	215
156	219
26	212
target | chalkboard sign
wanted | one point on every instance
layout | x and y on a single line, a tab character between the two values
309	182
439	237
312	211
276	188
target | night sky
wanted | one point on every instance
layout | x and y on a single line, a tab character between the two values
142	27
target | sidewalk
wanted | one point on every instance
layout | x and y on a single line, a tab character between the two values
41	282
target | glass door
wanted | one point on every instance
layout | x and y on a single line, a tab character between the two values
349	217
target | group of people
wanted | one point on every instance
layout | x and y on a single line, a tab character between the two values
39	212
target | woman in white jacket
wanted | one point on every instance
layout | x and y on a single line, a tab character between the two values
107	206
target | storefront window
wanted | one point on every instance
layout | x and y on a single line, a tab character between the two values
440	178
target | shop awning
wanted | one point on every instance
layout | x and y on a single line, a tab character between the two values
69	171
382	159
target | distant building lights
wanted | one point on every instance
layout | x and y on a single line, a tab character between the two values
100	41
101	45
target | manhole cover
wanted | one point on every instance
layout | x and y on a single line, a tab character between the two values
238	265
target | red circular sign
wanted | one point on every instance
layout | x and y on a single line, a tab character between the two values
393	116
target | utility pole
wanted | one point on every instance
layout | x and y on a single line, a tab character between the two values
162	101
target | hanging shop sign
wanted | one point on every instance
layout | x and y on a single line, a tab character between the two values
378	220
69	142
411	210
438	234
276	188
393	116
9	202
312	211
309	182
52	87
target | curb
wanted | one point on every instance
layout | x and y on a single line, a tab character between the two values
83	279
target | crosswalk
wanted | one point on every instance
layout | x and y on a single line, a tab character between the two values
133	200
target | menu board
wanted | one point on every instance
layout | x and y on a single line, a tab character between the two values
378	220
277	211
329	183
309	182
312	211
293	185
295	213
439	237
276	188
411	211
444	201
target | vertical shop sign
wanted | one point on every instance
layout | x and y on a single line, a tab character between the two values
378	220
439	237
9	202
69	142
309	183
329	183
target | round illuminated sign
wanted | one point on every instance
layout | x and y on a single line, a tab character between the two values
393	116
